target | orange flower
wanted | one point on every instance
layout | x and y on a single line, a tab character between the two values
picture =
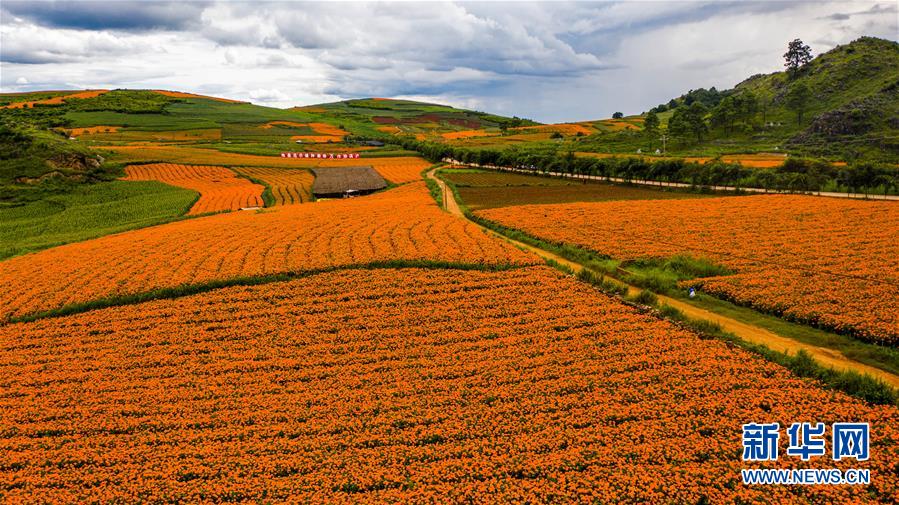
220	188
817	260
403	223
408	385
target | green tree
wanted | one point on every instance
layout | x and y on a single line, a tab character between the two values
797	99
723	115
749	105
764	103
651	126
797	55
696	119
677	124
618	115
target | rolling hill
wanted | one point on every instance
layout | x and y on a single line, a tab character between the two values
52	140
852	110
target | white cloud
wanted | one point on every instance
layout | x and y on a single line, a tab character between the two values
549	61
268	95
27	43
21	81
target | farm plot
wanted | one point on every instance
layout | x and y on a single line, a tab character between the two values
288	185
403	224
333	182
130	135
220	189
89	211
396	169
486	190
57	100
324	132
465	134
271	131
409	385
562	128
822	261
92	130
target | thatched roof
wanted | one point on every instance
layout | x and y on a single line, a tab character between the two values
339	180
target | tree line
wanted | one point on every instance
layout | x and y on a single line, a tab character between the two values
796	174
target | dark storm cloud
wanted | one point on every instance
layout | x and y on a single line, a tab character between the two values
109	15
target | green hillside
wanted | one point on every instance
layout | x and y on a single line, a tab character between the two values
376	116
35	144
851	110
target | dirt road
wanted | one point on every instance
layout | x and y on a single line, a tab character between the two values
747	332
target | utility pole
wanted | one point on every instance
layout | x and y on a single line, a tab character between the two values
664	139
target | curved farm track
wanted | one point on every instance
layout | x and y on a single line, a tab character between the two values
747	332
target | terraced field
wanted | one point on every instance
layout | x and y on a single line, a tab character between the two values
220	188
396	169
288	185
403	224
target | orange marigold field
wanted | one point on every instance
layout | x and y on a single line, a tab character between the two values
390	129
326	133
328	129
397	169
272	124
220	188
288	185
401	224
824	261
421	386
761	160
563	128
464	134
56	100
91	130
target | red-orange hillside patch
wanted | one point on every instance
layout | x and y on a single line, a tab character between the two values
57	100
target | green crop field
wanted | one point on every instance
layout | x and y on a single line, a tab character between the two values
89	211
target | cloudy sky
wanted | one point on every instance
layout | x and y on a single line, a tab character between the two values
550	61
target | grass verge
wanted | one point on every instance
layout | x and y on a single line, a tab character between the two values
865	387
879	356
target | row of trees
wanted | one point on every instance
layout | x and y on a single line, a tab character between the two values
796	174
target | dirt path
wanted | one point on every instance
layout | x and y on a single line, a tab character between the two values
748	332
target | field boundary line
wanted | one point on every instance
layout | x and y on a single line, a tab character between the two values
183	290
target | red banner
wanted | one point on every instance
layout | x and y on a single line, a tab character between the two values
330	156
